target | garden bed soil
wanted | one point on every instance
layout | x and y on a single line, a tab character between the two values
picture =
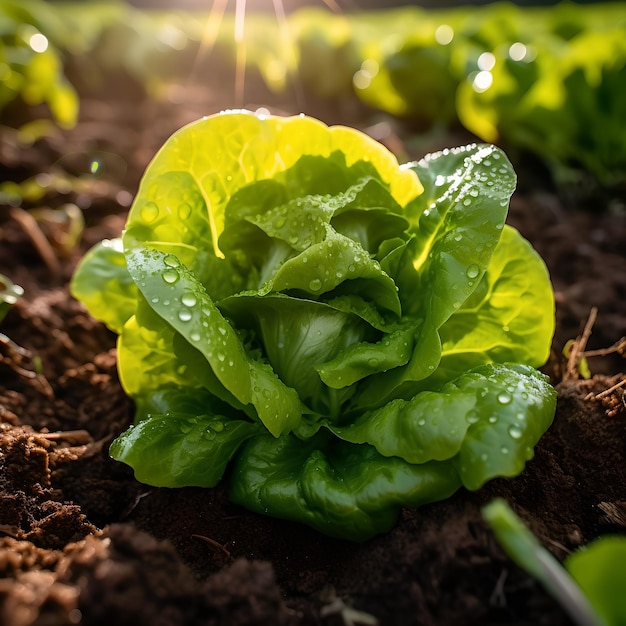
82	542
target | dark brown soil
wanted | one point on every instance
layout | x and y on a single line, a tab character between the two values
82	542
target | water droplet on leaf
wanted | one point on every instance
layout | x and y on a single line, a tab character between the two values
473	271
184	211
188	299
472	418
504	397
149	212
170	276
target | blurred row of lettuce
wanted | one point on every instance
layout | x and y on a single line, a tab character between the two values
551	81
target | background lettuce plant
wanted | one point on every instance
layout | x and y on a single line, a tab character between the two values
346	335
31	60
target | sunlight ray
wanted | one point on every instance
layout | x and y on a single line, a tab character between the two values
211	32
240	44
332	5
290	44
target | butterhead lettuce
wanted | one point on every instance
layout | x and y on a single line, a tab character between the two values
337	334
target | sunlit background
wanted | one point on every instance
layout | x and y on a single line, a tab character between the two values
546	78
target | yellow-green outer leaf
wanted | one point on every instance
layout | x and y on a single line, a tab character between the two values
244	148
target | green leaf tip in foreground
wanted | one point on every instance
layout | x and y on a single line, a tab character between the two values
339	334
526	551
600	570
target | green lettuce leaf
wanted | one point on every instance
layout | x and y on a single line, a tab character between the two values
183	444
104	284
345	491
177	296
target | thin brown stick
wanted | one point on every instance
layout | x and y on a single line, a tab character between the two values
214	544
40	241
610	390
579	345
618	346
70	436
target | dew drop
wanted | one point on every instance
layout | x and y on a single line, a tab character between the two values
493	419
222	330
504	397
315	284
421	422
155	300
515	431
170	276
467	202
504	450
208	434
171	261
473	271
221	356
472	418
184	315
149	212
184	211
188	299
195	336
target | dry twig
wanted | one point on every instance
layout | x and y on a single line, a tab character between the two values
40	241
578	347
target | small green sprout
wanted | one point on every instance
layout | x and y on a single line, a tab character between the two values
587	587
